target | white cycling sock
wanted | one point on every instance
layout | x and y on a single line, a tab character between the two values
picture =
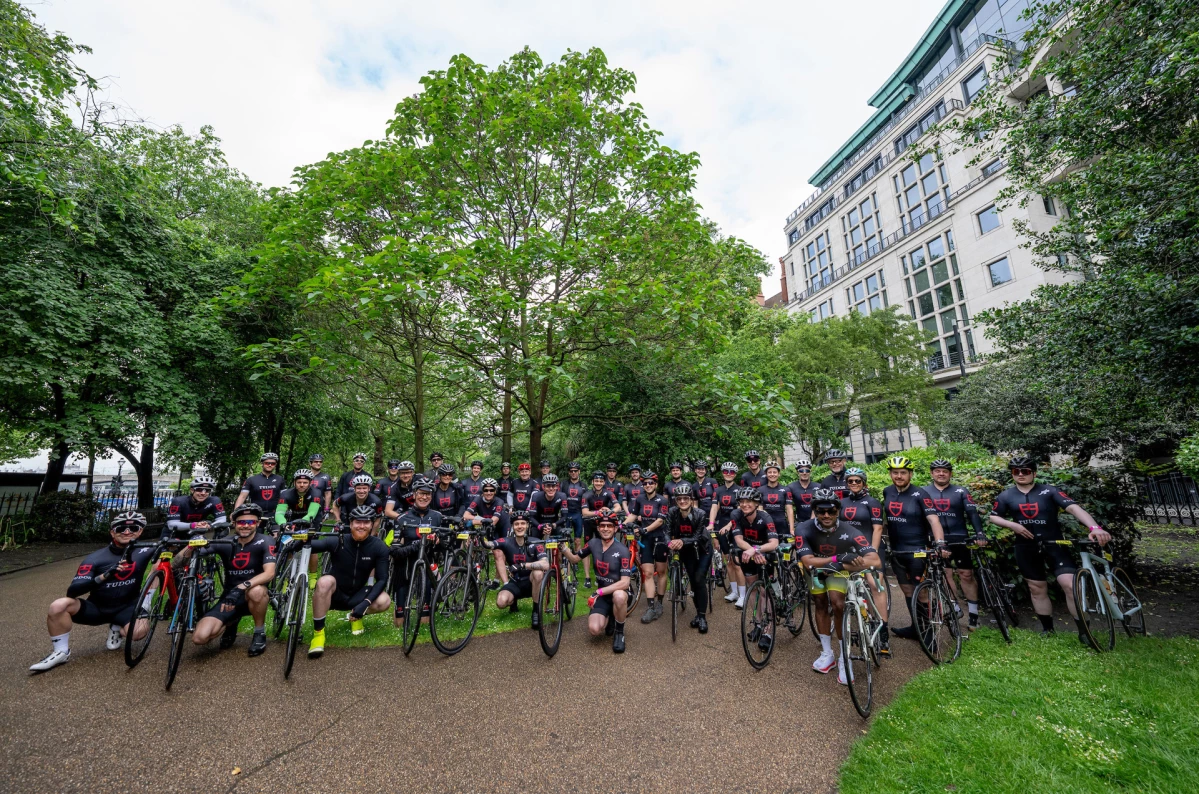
972	607
826	642
62	642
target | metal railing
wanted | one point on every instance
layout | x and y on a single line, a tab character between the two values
942	361
990	170
1169	499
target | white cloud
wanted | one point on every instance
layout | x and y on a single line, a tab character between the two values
765	92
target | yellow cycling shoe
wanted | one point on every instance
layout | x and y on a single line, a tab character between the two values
316	648
356	627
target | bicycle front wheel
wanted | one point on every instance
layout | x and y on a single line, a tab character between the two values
757	625
293	618
796	587
856	658
455	611
675	588
280	596
570	587
412	608
990	591
179	625
1130	605
553	612
634	592
1093	614
152	606
936	624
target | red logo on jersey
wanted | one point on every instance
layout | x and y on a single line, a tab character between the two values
772	498
928	502
84	569
124	570
876	512
849	513
601	567
806	498
624	562
267	493
861	541
1029	510
444	501
174	510
474	489
827	548
941	504
240	560
895	508
518	558
751	533
520	497
685	529
726	500
647	510
1063	493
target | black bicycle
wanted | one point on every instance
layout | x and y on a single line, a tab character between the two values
936	620
678	585
425	570
460	596
779	597
200	588
995	594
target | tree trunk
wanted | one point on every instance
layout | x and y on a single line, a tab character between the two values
418	402
506	422
145	473
379	469
60	450
91	470
291	447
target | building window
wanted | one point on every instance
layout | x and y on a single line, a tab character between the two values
819	261
868	294
863	235
1001	272
823	310
793	237
974	84
921	192
988	219
1050	209
938	299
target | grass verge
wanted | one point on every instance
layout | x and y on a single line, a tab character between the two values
1043	714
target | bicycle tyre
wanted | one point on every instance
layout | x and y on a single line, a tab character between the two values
797	601
549	629
1093	615
152	605
674	585
1127	598
183	612
570	586
455	611
413	606
634	592
859	678
297	600
995	606
936	624
281	596
756	617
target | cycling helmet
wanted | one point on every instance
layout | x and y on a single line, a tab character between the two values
478	463
249	507
549	479
835	454
700	464
358	455
203	481
683	490
269	456
446	468
362	512
635	467
524	467
606	516
803	463
611	466
545	464
649	476
423	484
573	466
130	519
315	456
749	493
773	465
436	456
393	463
505	463
303	474
728	465
854	471
490	482
521	515
752	454
1021	462
827	497
362	479
940	463
676	465
899	462
597	475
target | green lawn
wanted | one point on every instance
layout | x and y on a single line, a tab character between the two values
1043	715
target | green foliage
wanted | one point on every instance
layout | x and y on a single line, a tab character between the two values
66	517
1187	457
969	461
1043	714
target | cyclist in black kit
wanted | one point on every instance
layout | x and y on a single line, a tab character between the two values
197	511
547	507
776	500
1030	510
613	571
860	509
346	483
545	471
755	477
321	482
912	525
573	489
755	535
263	489
835	458
472	486
403	495
249	568
685	521
353	557
505	482
705	486
523	487
448	496
724	502
955	507
595	501
524	562
633	489
489	510
801	492
111	583
385	486
676	479
615	486
648	514
301	501
408	525
435	461
359	496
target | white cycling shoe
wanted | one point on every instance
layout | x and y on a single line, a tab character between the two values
824	662
841	671
740	603
50	662
115	640
731	597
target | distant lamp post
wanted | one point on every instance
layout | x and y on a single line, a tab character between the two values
957	339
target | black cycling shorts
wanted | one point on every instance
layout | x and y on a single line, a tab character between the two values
1032	558
908	569
344	602
90	614
603	606
231	608
589	528
519	588
959	556
653	547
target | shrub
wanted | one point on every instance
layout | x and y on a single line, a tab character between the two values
66	517
1187	457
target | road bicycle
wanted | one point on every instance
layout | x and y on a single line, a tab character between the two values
278	589
1103	594
995	594
861	633
678	586
293	572
559	586
460	595
936	620
778	597
630	539
421	582
200	588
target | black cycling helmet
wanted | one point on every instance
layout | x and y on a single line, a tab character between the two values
505	463
446	468
649	476
611	467
940	463
521	515
683	490
269	456
436	456
573	466
315	456
478	463
749	493
394	463
634	467
827	497
676	465
362	513
423	484
250	508
597	475
545	464
606	516
1022	462
752	454
131	519
700	464
203	481
549	479
362	479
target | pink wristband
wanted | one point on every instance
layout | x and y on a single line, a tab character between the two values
599	591
192	525
833	558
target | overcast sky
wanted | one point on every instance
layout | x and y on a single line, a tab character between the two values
764	92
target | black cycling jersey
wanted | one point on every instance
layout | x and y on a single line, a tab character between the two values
245	561
705	489
321	483
685	525
955	507
496	510
844	538
264	491
347	502
449	501
183	511
384	487
573	491
402	496
546	510
522	491
297	503
351	563
906	513
837	483
617	488
122	587
595	500
1036	510
726	499
751	480
516	554
505	486
756	531
345	484
611	564
801	500
775	499
669	487
472	487
862	511
633	490
649	509
414	518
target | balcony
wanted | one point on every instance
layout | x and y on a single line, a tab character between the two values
941	362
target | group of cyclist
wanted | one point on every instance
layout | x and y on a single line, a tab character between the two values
834	524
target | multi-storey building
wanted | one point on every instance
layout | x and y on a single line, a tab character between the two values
883	229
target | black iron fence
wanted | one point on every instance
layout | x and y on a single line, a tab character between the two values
1170	499
17	526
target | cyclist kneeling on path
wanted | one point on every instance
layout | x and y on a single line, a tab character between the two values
249	568
353	558
685	521
828	542
525	562
111	579
613	573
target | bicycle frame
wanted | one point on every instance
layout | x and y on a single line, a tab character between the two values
1100	566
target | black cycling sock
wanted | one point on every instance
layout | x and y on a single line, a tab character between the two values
318	624
259	630
619	627
1046	622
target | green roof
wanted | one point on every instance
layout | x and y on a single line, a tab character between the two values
899	86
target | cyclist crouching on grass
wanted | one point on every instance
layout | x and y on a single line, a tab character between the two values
353	558
111	583
828	542
249	568
526	564
613	572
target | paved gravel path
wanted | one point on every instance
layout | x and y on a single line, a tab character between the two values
688	716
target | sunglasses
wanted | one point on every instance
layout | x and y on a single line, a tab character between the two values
1023	472
201	490
854	481
753	458
247	522
128	530
488	490
803	471
825	511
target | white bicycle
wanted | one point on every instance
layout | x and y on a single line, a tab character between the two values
1104	594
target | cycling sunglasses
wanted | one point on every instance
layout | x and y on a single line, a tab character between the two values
803	471
202	490
1024	472
854	481
128	530
247	522
826	511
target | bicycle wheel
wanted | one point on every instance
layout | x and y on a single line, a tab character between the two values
1130	605
549	630
936	625
455	611
152	606
757	625
412	608
990	592
570	587
179	625
1093	614
634	592
281	595
796	589
858	674
293	618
